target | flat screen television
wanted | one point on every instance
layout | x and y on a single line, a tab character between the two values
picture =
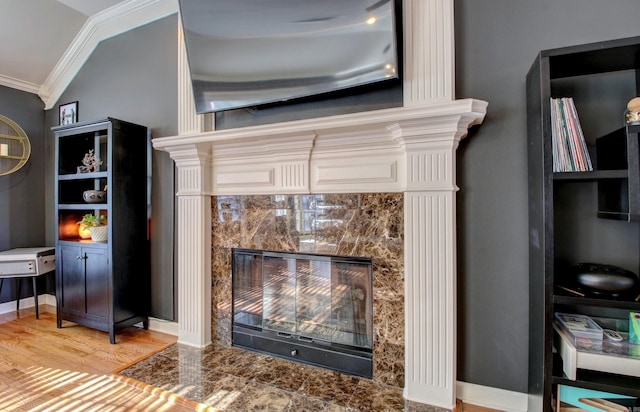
245	53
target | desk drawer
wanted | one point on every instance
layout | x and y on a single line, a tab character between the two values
18	267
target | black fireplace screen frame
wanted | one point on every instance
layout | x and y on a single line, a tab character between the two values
303	328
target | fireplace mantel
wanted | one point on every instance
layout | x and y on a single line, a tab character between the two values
409	149
375	151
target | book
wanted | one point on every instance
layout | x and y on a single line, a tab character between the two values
570	152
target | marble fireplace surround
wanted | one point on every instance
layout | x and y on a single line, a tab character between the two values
409	150
362	225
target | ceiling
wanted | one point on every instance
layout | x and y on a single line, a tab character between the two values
51	39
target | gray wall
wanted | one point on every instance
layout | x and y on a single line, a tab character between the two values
22	211
496	43
133	77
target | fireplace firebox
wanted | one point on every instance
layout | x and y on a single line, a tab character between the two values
315	309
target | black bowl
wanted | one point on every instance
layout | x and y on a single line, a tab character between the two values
601	279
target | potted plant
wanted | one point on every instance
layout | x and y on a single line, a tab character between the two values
97	226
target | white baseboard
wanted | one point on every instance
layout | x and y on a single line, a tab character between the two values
158	325
164	326
25	303
493	398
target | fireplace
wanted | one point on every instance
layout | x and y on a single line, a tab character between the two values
409	150
315	309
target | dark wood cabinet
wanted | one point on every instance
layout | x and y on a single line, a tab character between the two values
88	266
577	217
103	284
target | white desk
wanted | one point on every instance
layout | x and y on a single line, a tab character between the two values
27	262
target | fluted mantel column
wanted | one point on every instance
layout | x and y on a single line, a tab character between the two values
430	257
429	53
194	244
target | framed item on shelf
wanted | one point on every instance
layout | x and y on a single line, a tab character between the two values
68	113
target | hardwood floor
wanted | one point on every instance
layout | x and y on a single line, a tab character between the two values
26	341
45	389
43	368
42	365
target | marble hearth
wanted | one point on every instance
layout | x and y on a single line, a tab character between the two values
400	159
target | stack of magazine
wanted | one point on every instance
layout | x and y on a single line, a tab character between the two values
570	152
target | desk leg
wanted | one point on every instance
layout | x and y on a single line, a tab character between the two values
18	300
35	295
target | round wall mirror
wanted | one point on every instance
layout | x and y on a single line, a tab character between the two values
15	147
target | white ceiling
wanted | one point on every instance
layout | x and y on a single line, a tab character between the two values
91	7
47	41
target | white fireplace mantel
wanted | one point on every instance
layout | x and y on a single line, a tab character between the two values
409	149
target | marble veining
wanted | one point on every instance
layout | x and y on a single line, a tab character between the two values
365	225
235	380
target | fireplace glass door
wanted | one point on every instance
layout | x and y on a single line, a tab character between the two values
278	294
311	298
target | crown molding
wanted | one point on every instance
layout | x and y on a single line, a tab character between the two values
113	21
19	84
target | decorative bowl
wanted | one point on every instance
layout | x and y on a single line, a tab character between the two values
602	279
94	196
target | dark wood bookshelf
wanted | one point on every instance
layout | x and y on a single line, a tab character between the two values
102	284
561	205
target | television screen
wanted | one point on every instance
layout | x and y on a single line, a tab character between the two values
244	53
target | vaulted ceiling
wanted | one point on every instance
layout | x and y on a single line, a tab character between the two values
46	42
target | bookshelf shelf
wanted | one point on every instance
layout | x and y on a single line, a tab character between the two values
594	302
600	381
592	175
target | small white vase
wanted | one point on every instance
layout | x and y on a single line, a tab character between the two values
98	233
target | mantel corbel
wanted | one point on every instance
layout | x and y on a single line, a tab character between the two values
194	163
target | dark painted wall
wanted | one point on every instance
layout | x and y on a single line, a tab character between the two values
496	43
133	77
22	210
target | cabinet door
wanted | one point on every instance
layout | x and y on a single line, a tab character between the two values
71	280
97	284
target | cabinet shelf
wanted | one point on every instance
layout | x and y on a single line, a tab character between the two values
83	176
84	206
84	242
